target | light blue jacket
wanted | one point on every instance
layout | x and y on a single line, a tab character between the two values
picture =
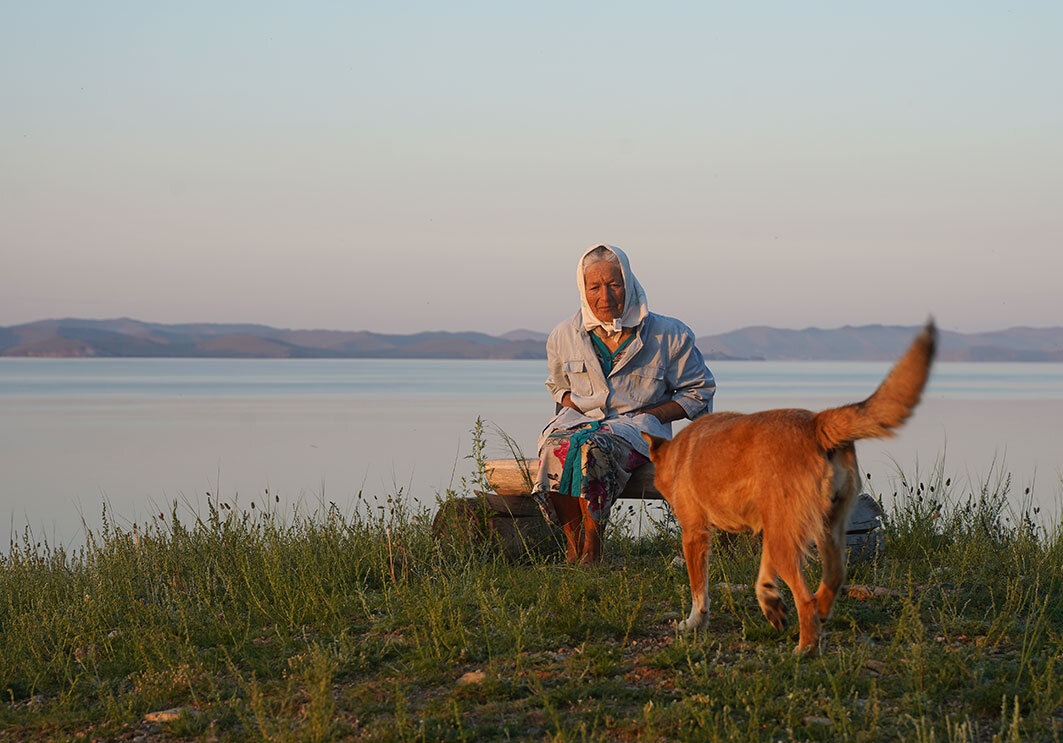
660	363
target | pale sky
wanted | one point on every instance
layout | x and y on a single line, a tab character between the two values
407	166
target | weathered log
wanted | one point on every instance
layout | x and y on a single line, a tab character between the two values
521	536
510	517
511	505
864	536
480	520
513	477
461	521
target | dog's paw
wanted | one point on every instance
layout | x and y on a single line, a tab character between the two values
775	613
694	621
808	650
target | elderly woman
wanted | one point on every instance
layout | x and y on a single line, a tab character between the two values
616	370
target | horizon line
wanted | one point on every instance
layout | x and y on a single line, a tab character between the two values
513	330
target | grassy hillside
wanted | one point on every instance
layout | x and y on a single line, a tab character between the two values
250	624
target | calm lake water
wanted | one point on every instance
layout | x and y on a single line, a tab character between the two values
138	434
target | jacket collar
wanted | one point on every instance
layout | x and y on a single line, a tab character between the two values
629	353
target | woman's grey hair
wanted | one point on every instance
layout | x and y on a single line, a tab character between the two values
599	254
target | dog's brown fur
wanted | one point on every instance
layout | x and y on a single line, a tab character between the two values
791	474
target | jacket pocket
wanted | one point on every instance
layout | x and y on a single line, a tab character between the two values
579	379
648	385
649	372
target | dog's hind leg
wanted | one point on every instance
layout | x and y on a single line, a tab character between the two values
831	545
768	593
831	540
830	549
787	559
696	543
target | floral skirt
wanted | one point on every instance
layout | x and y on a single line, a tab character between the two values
606	462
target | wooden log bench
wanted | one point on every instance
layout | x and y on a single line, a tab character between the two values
514	477
509	516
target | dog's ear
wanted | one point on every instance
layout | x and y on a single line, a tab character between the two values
655	442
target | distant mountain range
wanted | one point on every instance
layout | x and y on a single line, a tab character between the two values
882	343
127	337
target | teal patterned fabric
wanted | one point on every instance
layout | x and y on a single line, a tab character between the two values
605	356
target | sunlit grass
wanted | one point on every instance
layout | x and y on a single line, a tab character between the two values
265	625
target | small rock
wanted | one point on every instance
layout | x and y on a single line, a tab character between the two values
862	592
678	562
818	721
877	667
166	715
670	615
733	587
472	677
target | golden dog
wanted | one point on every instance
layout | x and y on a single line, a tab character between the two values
790	474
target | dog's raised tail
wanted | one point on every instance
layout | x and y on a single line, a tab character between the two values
891	403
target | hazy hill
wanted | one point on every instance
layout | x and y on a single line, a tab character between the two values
128	337
884	342
523	334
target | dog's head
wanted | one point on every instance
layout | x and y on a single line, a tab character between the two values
659	456
657	446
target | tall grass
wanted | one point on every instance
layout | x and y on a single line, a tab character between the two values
318	625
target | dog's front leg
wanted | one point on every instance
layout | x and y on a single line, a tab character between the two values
696	543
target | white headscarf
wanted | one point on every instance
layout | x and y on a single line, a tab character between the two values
635	310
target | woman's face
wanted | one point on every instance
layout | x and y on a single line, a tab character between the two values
603	284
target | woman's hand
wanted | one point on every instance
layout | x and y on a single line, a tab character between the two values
667	412
566	400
